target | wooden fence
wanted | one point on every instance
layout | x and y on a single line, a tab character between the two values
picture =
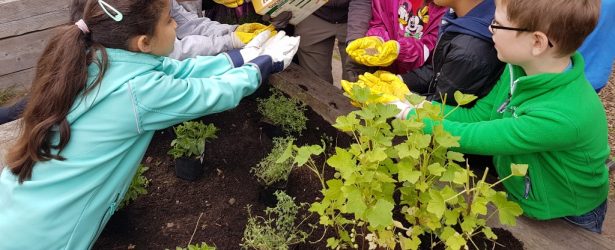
25	27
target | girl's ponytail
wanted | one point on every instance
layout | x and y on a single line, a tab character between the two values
61	73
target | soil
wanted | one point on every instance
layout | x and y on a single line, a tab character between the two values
212	209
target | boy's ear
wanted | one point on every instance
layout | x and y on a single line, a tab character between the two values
143	44
540	42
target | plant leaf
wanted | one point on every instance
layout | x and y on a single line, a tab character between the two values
355	203
508	211
380	214
407	172
436	204
463	99
518	169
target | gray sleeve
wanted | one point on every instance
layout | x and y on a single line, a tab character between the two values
359	14
195	45
204	27
189	23
180	14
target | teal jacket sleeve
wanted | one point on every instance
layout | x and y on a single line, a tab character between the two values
202	66
160	100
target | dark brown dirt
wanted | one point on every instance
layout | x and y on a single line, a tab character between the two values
167	216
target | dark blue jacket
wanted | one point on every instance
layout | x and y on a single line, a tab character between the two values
464	58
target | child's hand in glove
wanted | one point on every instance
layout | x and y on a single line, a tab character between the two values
373	51
282	49
230	3
246	32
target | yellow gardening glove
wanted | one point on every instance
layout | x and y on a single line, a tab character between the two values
373	51
388	85
230	3
247	31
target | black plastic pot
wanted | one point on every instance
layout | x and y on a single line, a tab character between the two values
271	130
266	194
188	168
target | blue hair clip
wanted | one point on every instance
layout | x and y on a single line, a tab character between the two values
116	17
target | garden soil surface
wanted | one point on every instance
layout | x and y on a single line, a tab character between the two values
213	208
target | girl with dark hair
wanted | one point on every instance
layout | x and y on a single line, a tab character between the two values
101	88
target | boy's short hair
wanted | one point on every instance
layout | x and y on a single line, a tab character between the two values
565	22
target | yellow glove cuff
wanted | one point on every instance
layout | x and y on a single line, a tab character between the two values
230	3
246	32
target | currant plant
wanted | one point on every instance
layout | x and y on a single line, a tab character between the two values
394	167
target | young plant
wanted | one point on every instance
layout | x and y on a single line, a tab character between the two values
416	177
268	171
201	246
285	112
191	138
138	187
277	230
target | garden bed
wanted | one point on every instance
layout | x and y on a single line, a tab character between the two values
167	216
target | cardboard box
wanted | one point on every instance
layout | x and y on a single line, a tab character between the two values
300	8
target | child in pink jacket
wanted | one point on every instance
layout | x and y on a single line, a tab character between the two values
413	24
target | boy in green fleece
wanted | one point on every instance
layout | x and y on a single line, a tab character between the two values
542	112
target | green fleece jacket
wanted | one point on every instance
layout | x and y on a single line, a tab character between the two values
556	124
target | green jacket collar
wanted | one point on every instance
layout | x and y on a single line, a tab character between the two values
522	85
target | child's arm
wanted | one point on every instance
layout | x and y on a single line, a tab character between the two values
376	24
202	66
359	15
192	46
160	100
535	131
465	69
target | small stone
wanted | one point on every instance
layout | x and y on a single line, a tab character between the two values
170	225
231	201
131	246
176	201
149	160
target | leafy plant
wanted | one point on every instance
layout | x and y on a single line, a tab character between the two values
284	112
268	171
277	230
416	177
201	246
138	187
191	138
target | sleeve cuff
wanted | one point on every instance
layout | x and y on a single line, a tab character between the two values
235	57
264	64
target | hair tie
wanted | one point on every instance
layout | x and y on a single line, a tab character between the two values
82	26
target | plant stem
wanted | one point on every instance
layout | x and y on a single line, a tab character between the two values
195	227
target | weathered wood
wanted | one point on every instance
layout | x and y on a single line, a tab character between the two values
22	79
34	23
15	10
21	52
558	234
324	98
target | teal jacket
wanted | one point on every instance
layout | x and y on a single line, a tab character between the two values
67	203
556	124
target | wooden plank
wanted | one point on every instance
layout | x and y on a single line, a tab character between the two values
558	234
14	10
22	52
34	23
324	98
22	79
